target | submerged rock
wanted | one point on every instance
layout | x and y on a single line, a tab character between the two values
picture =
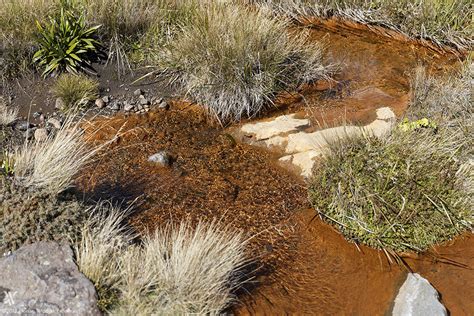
161	158
41	279
280	125
417	297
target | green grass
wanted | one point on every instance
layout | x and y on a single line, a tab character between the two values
75	90
414	188
124	25
18	32
233	60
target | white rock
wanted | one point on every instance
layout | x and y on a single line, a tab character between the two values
417	297
277	141
280	125
161	158
128	107
385	113
59	104
379	128
301	142
305	161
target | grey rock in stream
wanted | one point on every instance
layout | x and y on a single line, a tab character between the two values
417	297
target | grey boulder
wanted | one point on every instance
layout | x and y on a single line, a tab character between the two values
42	278
417	297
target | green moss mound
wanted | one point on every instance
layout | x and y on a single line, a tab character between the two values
31	215
401	193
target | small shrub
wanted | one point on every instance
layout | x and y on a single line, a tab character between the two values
401	193
407	125
28	216
176	271
66	44
233	59
75	90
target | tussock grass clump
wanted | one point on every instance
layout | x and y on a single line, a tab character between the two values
401	193
442	21
233	59
52	165
134	28
75	90
175	271
447	101
8	115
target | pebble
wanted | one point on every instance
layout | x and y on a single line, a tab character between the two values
41	134
128	107
37	115
100	103
164	105
115	106
106	99
22	125
161	158
59	104
143	100
138	92
54	122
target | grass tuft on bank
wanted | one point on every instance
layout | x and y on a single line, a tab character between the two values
75	90
412	189
178	270
233	60
441	21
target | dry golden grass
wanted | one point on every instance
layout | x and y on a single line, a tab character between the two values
178	270
7	114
